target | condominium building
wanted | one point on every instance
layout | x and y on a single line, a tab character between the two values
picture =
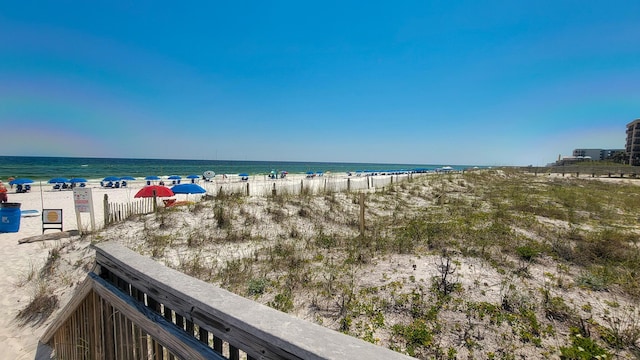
633	142
595	154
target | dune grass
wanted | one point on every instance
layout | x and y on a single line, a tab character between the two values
487	264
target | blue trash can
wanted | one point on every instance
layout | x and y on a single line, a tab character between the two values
9	217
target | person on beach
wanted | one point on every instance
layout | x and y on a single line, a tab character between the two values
3	193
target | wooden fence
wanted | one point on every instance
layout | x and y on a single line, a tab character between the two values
312	186
114	212
131	307
587	170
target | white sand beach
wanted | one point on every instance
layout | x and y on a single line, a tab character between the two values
22	261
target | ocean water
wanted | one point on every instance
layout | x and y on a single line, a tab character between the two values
45	168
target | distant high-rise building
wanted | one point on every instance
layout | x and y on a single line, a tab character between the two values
633	142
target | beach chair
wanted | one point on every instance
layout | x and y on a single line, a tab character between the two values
57	187
116	184
83	185
124	184
169	202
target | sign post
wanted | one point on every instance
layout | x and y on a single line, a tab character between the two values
83	203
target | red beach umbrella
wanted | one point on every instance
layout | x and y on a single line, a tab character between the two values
160	191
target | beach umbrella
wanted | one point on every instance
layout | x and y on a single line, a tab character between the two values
174	177
208	174
111	178
20	181
58	180
188	189
148	191
127	178
77	180
153	177
193	177
243	175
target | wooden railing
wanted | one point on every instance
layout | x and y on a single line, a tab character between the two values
587	170
131	307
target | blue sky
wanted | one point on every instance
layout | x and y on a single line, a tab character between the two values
425	82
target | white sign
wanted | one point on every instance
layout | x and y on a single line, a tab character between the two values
84	204
52	216
82	199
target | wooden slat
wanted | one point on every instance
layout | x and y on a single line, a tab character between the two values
186	347
80	294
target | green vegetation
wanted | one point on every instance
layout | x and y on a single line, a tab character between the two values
486	264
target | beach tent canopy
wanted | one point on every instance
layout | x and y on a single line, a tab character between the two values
20	181
58	180
188	189
148	191
111	178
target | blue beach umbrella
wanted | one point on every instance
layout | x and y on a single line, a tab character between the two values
77	180
127	178
243	175
174	177
193	178
188	189
111	178
58	180
153	177
20	181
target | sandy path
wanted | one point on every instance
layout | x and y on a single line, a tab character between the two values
19	260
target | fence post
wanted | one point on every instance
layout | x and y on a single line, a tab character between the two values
362	214
155	202
106	209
